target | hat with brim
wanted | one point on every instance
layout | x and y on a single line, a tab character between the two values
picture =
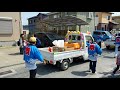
32	39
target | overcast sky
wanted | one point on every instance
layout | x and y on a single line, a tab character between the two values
26	15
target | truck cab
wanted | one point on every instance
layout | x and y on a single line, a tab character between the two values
78	40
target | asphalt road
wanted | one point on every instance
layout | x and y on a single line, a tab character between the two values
77	69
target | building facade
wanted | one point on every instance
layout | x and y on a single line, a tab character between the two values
105	21
31	24
89	17
10	27
116	19
35	25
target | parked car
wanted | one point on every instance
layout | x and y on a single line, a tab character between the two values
106	35
110	43
47	38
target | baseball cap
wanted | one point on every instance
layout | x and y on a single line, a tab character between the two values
32	39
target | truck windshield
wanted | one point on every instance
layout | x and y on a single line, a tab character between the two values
55	36
108	33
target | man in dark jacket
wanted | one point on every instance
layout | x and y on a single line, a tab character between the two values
38	42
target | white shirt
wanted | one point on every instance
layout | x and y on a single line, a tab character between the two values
31	65
93	57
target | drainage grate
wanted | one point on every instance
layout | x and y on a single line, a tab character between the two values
5	72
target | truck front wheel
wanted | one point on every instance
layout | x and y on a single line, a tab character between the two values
65	65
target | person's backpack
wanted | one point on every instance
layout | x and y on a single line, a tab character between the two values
18	42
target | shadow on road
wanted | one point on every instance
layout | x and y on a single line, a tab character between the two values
80	73
108	57
78	62
46	69
109	74
15	53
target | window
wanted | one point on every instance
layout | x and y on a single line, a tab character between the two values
6	26
102	28
55	16
82	13
24	32
70	37
30	21
96	15
73	37
103	33
66	13
108	17
89	15
79	38
59	15
88	38
97	33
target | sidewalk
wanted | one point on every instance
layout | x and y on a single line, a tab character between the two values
9	56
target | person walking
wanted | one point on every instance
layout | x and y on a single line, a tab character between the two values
38	42
99	40
31	55
117	62
117	44
93	51
22	43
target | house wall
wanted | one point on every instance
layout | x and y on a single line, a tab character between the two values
82	15
91	20
102	16
17	26
116	19
103	20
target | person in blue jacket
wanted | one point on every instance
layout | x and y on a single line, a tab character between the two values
93	51
99	40
31	55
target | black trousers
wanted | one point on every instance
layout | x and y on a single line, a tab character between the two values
92	66
21	50
33	73
116	69
99	44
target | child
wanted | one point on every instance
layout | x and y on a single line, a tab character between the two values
117	61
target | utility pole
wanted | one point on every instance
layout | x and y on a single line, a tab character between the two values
94	20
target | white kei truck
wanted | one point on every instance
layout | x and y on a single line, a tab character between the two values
64	58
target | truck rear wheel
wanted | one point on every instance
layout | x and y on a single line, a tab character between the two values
65	65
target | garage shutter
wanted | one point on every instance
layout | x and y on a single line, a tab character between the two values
6	26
